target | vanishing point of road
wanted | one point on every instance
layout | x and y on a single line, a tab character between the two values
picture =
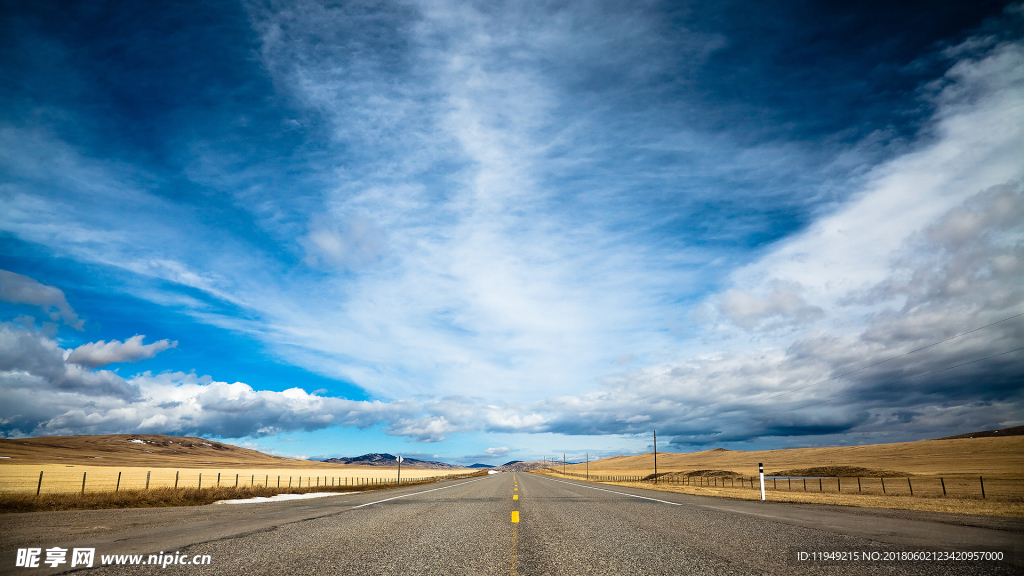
516	524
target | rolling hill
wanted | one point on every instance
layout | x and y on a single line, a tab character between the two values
391	461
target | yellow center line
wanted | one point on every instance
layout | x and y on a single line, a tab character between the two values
515	530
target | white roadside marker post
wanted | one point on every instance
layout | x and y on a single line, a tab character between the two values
760	471
399	470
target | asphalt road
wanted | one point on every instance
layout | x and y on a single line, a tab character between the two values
466	527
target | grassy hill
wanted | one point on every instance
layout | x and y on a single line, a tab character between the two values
141	450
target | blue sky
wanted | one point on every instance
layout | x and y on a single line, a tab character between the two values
479	231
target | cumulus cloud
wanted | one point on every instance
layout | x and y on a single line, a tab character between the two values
18	289
31	362
83	401
96	354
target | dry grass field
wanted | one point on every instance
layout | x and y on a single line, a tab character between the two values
63	478
990	457
124	462
900	500
160	497
933	475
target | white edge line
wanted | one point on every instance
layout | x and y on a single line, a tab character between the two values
424	492
612	491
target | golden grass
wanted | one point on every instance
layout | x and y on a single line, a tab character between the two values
62	478
989	457
900	501
929	464
162	497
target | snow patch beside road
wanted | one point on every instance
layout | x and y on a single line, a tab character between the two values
281	497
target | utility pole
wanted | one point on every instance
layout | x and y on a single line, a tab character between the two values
655	456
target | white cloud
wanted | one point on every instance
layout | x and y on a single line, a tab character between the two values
972	145
96	354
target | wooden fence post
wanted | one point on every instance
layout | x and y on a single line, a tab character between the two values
883	485
236	480
911	486
176	479
218	478
200	480
118	487
982	480
858	483
943	485
147	479
40	486
83	482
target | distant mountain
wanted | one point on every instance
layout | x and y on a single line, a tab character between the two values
390	460
480	466
520	466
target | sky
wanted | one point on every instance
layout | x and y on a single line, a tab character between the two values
486	231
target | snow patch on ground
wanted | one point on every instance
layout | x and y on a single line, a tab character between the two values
281	497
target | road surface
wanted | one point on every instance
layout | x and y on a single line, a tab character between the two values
466	527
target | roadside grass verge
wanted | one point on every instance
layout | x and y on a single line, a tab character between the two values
1013	508
163	497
